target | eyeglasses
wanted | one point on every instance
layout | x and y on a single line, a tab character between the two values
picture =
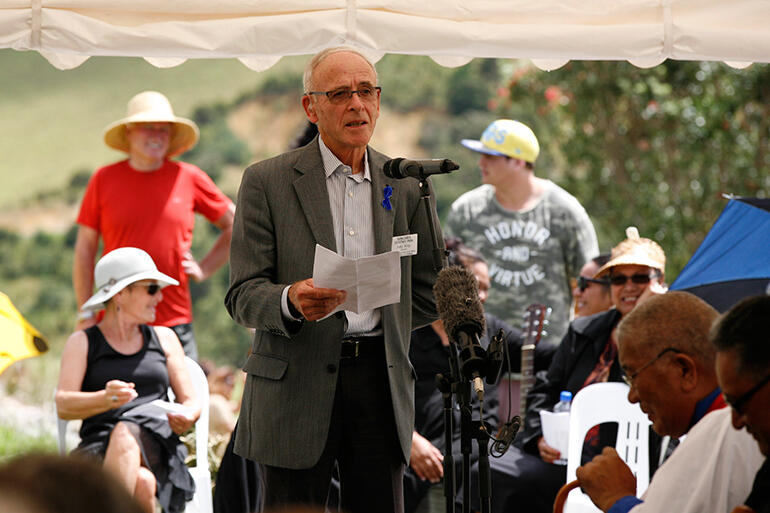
740	403
629	378
344	94
152	288
583	282
639	279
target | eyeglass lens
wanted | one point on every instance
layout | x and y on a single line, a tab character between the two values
583	282
343	95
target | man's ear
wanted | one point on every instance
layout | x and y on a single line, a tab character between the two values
309	106
687	371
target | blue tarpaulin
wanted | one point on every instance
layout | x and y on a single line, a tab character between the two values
733	261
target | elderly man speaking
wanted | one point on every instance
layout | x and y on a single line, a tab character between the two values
668	362
325	388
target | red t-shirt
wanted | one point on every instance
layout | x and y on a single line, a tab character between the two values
154	211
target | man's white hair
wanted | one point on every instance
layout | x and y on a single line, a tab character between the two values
307	77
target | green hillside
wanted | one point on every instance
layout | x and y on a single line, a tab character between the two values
51	121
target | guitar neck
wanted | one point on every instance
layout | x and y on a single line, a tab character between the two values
527	375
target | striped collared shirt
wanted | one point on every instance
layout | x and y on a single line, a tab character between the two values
350	199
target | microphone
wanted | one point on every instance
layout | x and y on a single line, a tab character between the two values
420	169
459	307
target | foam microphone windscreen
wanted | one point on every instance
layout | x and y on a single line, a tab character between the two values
457	301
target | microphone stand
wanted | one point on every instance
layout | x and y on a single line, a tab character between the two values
439	252
469	430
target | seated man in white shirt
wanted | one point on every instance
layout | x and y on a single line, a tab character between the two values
668	361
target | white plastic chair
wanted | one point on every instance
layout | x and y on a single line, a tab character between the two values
596	404
201	501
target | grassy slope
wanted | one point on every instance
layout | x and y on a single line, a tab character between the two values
51	121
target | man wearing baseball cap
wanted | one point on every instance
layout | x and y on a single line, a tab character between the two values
534	234
149	201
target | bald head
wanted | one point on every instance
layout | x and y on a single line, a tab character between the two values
664	349
675	319
307	78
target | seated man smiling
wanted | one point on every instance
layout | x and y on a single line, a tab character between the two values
668	361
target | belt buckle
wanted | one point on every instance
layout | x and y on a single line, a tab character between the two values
352	342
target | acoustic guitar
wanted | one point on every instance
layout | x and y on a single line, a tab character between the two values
534	322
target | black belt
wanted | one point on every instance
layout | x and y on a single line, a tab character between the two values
357	347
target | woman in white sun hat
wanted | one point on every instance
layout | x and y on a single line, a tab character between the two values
120	363
149	201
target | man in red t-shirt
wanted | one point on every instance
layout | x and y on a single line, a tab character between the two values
149	201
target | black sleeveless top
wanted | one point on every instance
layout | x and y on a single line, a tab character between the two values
146	369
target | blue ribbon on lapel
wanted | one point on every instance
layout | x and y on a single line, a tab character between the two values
387	192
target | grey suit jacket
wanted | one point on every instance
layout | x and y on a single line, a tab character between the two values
282	212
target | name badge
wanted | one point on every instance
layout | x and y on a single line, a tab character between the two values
406	245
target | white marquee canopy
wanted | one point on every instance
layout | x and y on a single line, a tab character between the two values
452	32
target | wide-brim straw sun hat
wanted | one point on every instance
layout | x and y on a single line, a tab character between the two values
635	250
152	107
120	268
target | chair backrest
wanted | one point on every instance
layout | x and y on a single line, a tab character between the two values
597	404
202	501
201	385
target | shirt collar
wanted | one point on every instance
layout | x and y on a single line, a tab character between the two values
331	162
711	402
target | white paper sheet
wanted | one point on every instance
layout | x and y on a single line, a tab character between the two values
158	409
555	428
370	282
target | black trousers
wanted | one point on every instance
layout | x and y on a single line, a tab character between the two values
362	440
186	336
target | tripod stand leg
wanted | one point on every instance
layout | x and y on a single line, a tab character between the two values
485	481
466	442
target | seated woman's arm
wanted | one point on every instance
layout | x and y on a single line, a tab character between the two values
71	402
179	379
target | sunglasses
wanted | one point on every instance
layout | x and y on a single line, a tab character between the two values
739	403
152	288
639	279
583	282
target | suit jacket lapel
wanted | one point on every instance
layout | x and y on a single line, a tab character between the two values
314	197
383	218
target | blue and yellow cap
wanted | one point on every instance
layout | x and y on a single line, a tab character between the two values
507	138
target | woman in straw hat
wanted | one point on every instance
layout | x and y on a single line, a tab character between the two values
527	479
120	363
149	201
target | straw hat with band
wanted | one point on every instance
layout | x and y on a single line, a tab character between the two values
635	250
120	268
506	138
152	107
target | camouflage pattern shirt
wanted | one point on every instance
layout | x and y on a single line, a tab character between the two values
532	254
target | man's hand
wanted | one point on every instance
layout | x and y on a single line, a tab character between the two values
606	479
426	460
84	324
314	303
192	268
547	453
